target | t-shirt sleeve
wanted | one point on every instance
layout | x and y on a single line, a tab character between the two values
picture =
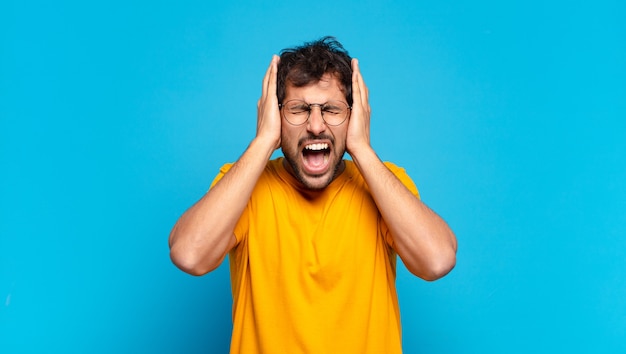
225	168
242	225
403	177
401	174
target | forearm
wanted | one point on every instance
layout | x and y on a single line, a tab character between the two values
204	234
421	238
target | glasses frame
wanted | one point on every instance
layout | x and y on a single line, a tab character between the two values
310	105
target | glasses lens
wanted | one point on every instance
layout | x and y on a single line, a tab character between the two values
335	112
296	112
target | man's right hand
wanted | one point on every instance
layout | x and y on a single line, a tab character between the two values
268	115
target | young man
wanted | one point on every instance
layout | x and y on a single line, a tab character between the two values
312	237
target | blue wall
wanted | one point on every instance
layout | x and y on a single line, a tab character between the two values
114	118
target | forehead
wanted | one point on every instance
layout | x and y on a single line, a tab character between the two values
327	88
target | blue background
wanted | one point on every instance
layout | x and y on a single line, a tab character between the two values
509	116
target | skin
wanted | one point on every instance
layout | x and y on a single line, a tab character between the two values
203	235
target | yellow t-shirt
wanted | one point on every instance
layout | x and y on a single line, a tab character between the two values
314	275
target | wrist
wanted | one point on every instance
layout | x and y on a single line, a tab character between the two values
363	155
264	145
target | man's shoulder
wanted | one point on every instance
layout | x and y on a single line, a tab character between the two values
398	171
394	168
403	176
351	166
226	167
271	168
274	164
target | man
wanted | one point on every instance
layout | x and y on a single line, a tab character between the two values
312	237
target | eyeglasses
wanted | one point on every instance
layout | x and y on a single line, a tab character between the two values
298	112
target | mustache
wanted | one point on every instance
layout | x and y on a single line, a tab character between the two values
310	137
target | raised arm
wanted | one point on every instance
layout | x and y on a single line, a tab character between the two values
422	239
203	235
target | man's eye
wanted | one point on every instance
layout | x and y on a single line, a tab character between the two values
298	109
332	109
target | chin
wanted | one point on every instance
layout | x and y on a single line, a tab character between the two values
317	182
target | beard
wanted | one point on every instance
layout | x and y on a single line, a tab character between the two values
313	182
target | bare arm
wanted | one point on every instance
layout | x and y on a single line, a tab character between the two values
203	235
422	239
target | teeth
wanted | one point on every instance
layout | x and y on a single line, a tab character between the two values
320	146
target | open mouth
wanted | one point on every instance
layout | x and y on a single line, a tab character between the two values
316	157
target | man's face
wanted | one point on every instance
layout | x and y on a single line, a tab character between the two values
314	151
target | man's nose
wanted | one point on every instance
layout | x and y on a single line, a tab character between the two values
316	123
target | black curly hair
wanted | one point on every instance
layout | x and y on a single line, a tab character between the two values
307	64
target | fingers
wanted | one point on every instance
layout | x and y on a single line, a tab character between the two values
266	79
269	81
273	77
356	90
268	114
360	93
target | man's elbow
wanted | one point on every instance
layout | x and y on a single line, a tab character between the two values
441	269
442	262
192	263
436	268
